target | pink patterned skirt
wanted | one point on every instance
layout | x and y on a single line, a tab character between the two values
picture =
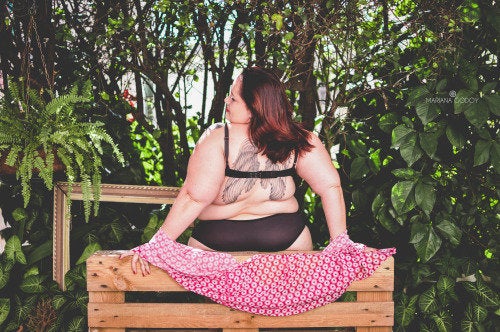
271	284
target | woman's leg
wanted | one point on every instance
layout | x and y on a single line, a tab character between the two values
303	242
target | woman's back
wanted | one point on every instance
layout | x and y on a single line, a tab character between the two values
251	194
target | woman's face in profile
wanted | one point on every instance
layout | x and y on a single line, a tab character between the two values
237	111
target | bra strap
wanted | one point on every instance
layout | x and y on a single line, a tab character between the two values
226	144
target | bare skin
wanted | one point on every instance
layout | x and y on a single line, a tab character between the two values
208	194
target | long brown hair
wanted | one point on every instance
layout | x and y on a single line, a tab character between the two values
272	129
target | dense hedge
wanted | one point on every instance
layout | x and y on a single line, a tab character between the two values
418	149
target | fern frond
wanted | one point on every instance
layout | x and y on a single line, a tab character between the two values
13	156
59	103
96	189
87	195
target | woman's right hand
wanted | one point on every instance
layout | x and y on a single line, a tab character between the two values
136	258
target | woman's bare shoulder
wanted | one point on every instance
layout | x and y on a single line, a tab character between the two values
212	135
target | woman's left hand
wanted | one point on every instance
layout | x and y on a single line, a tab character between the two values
135	258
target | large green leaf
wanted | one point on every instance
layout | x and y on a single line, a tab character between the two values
403	197
13	250
428	300
417	232
151	228
475	312
428	246
446	288
88	251
443	321
493	102
427	111
116	231
410	149
406	173
76	277
4	309
387	122
359	168
76	324
495	156
400	135
78	301
445	284
405	310
425	197
429	143
477	113
58	301
417	94
19	214
382	215
358	147
40	252
450	231
455	136
23	307
5	268
482	152
459	102
33	284
482	293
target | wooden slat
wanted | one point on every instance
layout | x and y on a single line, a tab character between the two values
107	297
181	315
106	272
374	296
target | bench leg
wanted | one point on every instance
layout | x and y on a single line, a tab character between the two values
105	297
374	297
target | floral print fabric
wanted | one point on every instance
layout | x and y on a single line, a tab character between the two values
278	284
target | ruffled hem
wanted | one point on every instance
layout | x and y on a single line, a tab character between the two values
278	284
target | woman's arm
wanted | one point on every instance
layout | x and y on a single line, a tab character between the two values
205	175
317	169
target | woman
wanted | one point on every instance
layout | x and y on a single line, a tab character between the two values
239	181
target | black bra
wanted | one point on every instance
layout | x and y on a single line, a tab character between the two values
233	173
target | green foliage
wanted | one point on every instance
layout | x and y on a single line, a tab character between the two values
418	149
34	132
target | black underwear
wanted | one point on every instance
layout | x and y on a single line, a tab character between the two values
272	233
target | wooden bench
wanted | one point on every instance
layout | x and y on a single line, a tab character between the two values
109	279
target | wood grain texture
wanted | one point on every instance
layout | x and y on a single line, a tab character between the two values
182	315
106	272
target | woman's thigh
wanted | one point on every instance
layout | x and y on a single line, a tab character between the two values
303	242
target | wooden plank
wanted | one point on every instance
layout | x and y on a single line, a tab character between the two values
107	297
181	315
240	330
374	296
106	272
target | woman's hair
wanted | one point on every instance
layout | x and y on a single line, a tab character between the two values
272	129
